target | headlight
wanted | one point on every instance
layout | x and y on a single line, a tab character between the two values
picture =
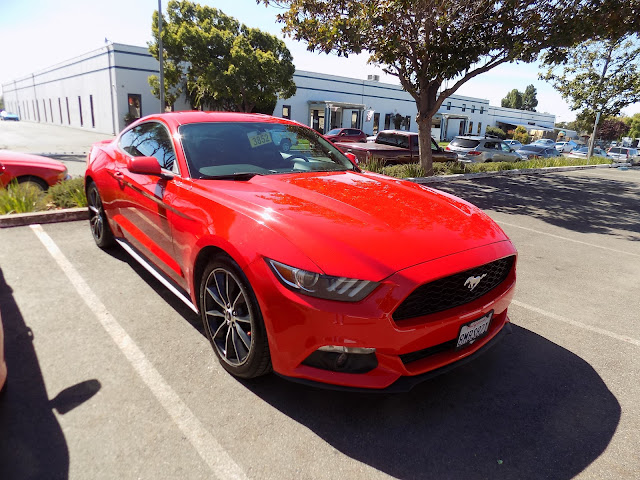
322	286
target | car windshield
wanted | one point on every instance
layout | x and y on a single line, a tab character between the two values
335	131
533	148
219	149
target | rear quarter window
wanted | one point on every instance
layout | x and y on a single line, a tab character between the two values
465	143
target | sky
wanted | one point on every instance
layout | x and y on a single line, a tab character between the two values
37	34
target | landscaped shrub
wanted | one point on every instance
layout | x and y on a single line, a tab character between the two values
498	132
68	194
521	135
21	198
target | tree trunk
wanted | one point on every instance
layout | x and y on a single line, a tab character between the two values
424	140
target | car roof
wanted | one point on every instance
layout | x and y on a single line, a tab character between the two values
196	116
398	132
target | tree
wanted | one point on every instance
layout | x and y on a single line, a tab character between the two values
613	129
429	43
598	77
513	100
1	103
521	135
219	63
530	99
498	132
634	126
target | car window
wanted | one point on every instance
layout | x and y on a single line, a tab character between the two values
225	148
403	141
150	140
614	150
505	147
352	131
335	131
415	144
465	142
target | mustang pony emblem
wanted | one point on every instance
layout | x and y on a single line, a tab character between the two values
472	282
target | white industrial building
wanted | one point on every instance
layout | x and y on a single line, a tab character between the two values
96	90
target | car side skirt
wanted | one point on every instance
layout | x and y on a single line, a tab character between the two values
177	291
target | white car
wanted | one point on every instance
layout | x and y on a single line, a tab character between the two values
566	147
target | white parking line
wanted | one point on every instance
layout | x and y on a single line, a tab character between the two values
567	239
218	460
601	331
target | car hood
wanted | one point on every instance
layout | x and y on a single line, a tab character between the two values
17	158
361	224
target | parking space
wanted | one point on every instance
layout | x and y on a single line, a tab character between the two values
112	377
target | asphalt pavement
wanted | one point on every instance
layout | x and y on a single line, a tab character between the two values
112	377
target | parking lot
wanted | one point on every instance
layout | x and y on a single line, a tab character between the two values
112	377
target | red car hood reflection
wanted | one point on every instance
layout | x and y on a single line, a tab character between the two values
362	225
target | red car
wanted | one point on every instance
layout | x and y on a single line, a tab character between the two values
346	135
298	261
41	172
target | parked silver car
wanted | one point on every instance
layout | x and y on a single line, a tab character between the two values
538	151
482	149
624	154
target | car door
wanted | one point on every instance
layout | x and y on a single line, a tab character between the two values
143	209
506	153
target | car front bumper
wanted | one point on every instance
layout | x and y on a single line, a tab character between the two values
299	325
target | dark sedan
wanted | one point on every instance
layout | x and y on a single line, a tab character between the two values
531	151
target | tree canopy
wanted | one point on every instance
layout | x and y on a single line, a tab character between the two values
634	125
219	63
613	129
522	101
513	99
434	47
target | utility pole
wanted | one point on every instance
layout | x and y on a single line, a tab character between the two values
592	144
161	56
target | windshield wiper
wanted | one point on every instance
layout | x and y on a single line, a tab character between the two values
239	176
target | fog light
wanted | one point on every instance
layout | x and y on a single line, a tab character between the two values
343	359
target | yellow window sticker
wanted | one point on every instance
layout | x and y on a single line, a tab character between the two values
258	139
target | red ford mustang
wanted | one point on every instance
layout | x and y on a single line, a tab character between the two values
41	172
296	260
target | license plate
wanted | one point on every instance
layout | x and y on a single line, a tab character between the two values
474	330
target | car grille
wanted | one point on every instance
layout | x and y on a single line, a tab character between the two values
453	291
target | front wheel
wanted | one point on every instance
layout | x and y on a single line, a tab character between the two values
232	319
100	230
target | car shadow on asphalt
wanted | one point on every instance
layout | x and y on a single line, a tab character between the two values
162	291
586	205
527	409
32	444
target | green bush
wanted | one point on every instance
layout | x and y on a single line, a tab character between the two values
374	165
68	194
17	198
498	132
521	135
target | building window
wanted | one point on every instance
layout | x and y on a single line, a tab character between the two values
317	120
51	110
36	109
448	105
44	109
60	108
473	108
355	119
470	127
135	105
68	111
93	118
464	107
387	121
407	122
481	110
286	111
376	123
80	110
479	127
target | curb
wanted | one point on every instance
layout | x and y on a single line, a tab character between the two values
52	216
528	171
75	214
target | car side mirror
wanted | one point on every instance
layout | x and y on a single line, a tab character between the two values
147	166
352	158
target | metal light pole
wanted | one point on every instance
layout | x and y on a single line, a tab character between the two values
161	56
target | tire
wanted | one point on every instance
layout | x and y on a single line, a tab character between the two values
100	229
285	145
35	182
232	319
